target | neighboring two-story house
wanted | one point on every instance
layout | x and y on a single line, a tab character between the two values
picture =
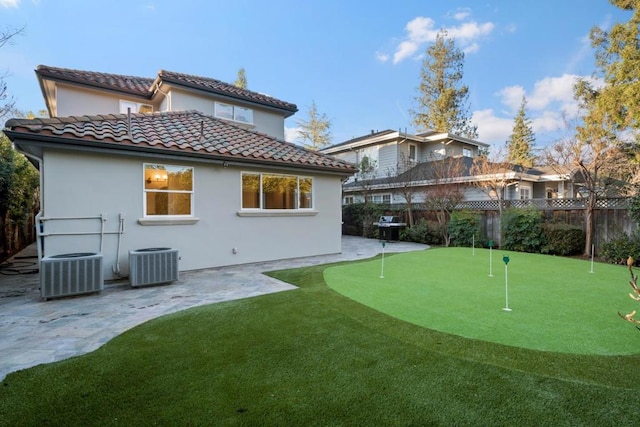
393	160
176	161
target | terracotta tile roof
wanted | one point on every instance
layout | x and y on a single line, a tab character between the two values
185	133
222	88
143	86
139	86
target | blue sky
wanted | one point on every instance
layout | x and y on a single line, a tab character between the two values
359	61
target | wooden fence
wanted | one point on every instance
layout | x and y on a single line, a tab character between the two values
611	217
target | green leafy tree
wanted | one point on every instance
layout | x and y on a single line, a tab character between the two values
241	80
442	100
18	183
617	60
520	143
316	131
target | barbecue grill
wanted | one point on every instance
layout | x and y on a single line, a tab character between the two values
389	227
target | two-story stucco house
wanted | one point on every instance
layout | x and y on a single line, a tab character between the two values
397	159
175	161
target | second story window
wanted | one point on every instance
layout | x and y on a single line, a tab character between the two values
135	107
413	153
233	112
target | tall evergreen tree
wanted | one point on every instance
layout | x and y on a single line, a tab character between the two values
241	80
316	132
442	100
522	139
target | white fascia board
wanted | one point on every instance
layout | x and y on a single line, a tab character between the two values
375	140
448	137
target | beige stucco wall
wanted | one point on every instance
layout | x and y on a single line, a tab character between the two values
264	121
73	102
86	184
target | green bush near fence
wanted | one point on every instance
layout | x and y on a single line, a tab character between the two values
563	239
522	230
463	226
619	249
423	231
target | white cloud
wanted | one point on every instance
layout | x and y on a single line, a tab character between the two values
548	104
472	48
9	3
422	30
552	90
292	134
470	31
461	13
492	129
511	96
382	57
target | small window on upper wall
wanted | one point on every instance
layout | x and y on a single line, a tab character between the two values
413	152
135	107
233	112
466	152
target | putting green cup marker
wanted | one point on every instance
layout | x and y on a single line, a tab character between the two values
506	283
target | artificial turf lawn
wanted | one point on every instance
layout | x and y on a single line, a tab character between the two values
314	357
556	303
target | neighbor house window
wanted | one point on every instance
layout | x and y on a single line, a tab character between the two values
348	200
413	152
272	191
525	193
467	152
379	198
135	107
168	190
233	112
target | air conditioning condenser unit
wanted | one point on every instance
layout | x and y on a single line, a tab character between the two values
71	274
152	266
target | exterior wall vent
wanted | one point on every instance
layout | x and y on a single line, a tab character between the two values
152	266
70	274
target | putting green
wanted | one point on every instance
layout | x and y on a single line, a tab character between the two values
557	304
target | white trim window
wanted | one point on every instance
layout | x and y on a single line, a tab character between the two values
267	191
348	200
413	153
525	193
136	107
233	112
466	152
168	190
379	198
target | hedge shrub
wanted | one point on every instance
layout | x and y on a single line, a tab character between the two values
619	249
422	231
463	226
522	230
563	239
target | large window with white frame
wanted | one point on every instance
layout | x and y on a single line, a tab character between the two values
168	190
233	112
275	191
